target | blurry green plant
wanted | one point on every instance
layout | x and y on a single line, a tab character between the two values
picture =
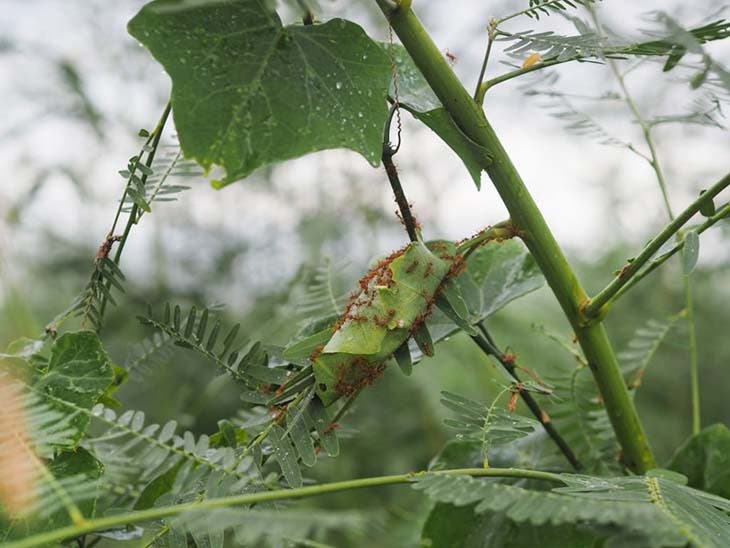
248	92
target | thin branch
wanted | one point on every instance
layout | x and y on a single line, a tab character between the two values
593	306
152	514
485	86
722	213
132	219
400	198
503	230
487	345
491	33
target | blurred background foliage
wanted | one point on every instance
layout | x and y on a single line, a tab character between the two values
76	102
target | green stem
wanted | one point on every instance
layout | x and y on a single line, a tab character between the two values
132	219
722	212
100	524
693	363
533	229
595	305
502	230
485	86
478	95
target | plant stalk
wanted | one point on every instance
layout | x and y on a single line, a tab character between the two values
722	213
109	522
594	306
533	229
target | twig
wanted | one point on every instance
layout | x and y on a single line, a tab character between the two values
491	33
108	522
405	209
132	218
722	212
593	306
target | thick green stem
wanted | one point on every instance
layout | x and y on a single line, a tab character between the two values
99	524
533	229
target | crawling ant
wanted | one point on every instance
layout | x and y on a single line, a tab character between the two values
413	266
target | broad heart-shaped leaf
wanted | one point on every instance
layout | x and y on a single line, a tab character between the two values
79	372
247	91
416	96
705	460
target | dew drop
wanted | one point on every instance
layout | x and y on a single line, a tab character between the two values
338	85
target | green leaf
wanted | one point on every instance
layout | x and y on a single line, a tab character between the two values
708	207
79	372
674	58
496	273
705	459
304	348
228	435
416	96
691	252
73	463
157	487
248	92
489	425
668	513
445	306
458	454
449	526
402	357
423	339
70	470
299	433
317	418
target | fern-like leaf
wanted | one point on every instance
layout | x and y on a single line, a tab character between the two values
656	508
489	425
160	184
149	353
578	412
643	347
106	277
548	7
270	527
317	294
670	41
